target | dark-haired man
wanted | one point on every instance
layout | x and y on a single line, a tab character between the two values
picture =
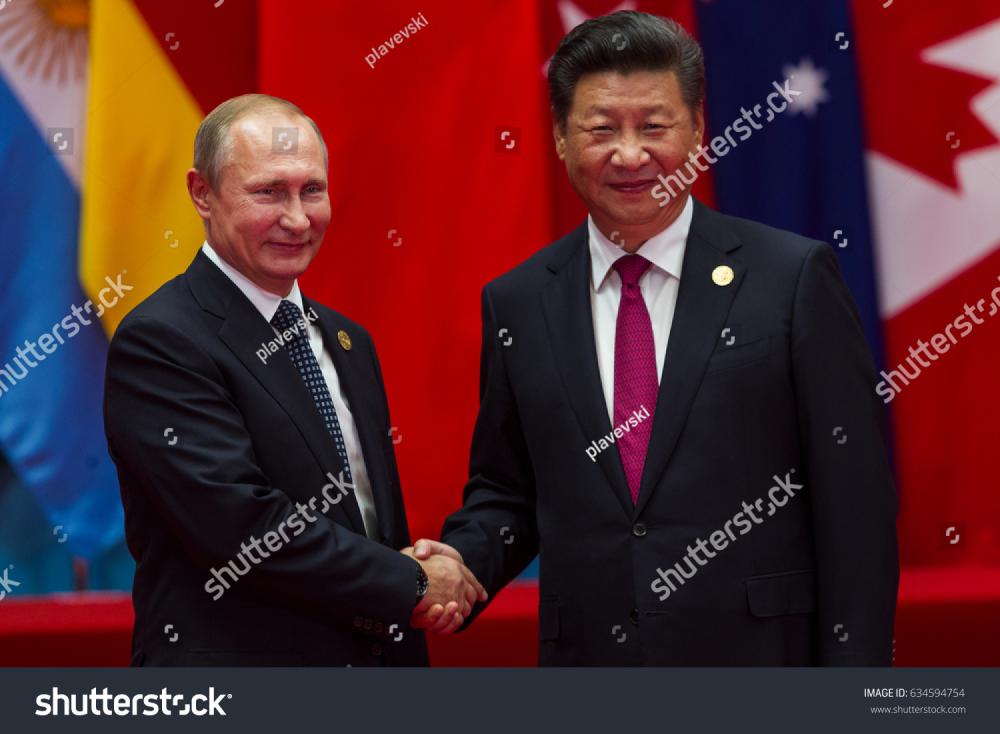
666	427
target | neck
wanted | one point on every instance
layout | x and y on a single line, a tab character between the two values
630	237
279	288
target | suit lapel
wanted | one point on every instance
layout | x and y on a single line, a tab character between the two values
245	331
568	314
352	370
699	317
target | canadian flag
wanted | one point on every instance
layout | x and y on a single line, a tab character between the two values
930	80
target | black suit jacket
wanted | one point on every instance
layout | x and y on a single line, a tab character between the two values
213	446
813	583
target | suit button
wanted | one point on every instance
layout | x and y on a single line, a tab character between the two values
638	530
633	617
376	649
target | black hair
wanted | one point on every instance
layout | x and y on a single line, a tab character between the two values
624	42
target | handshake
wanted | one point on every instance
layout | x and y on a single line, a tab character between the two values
452	589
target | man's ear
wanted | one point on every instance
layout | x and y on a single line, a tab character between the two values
559	135
199	189
698	121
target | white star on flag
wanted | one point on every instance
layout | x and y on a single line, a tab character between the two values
810	81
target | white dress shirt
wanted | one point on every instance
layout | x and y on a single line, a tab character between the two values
658	285
267	303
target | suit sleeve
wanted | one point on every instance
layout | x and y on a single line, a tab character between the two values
212	496
853	498
391	453
495	531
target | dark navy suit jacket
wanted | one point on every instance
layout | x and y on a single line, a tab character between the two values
248	443
786	395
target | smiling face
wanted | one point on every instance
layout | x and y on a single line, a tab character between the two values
621	132
268	212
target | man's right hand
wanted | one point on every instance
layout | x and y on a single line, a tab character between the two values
452	591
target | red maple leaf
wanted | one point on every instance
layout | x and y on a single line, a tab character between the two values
918	113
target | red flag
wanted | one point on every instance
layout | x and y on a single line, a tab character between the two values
437	125
930	84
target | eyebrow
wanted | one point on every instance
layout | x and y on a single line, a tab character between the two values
280	182
599	110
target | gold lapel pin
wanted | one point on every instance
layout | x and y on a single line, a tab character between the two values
344	339
722	275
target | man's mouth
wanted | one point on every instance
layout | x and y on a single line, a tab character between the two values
639	186
288	245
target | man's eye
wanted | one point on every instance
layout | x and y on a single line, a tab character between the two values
601	129
265	191
654	126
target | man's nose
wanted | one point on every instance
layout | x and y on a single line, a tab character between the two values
294	217
630	154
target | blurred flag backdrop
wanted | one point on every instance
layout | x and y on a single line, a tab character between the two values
443	176
100	102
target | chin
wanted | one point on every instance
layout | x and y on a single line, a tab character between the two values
285	270
632	216
290	261
287	273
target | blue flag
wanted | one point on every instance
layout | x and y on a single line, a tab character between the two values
801	168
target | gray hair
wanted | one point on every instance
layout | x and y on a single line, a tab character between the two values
212	142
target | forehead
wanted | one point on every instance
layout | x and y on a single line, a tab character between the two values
613	89
273	138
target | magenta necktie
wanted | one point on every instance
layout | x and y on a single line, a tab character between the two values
636	384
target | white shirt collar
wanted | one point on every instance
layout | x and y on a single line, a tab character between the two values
664	249
264	301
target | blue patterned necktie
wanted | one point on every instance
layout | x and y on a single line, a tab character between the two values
289	319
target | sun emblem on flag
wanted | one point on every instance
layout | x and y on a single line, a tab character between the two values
47	37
